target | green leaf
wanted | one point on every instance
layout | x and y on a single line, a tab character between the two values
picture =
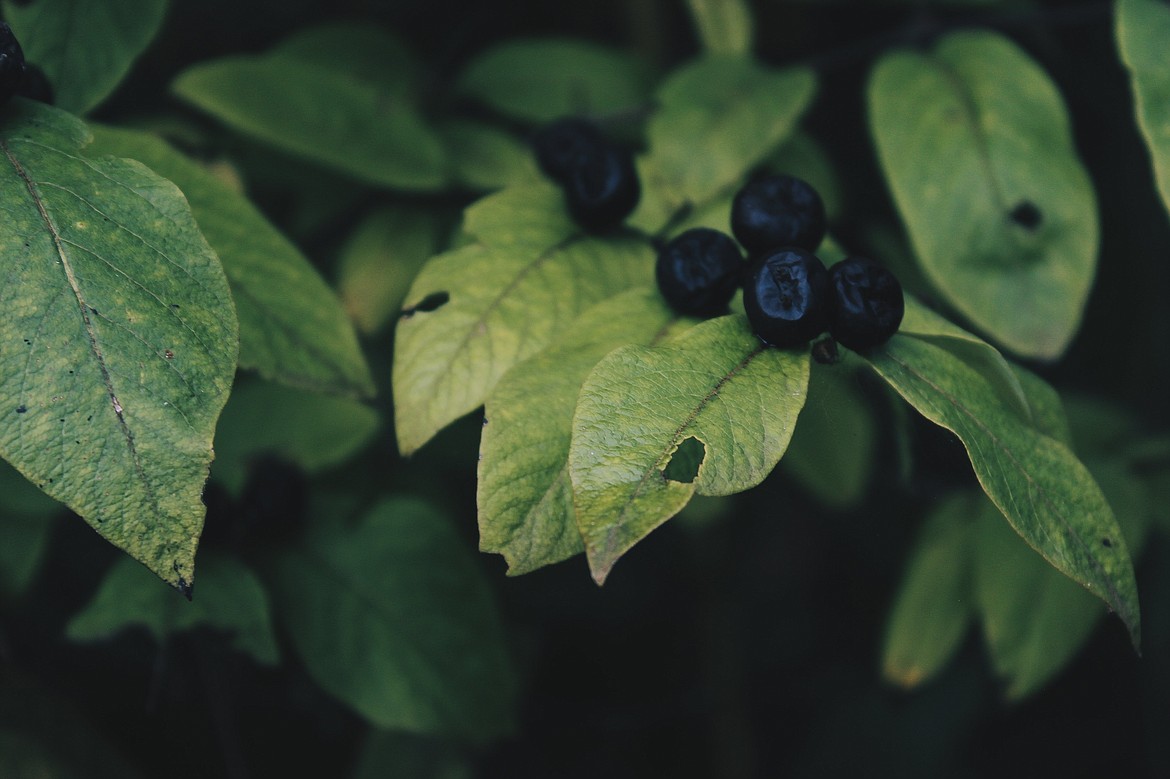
724	26
717	118
230	599
380	259
524	494
392	616
933	607
121	339
85	49
716	384
499	301
1143	27
292	327
1042	489
832	448
312	430
967	136
538	80
1047	410
484	157
331	106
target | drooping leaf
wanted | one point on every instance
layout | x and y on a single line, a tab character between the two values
975	144
718	117
229	599
476	311
933	607
392	616
716	384
832	448
1143	27
292	327
485	157
541	79
724	26
524	493
1035	619
1043	490
380	260
120	339
85	49
321	98
312	430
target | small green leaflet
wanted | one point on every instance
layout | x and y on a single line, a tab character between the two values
524	494
724	26
715	388
975	144
1036	481
293	329
1143	28
85	48
476	311
119	339
339	100
718	117
392	615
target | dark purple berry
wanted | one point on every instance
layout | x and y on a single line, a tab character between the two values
698	272
36	85
786	296
867	303
603	189
562	145
12	65
777	211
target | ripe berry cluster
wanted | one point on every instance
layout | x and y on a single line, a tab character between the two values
18	77
789	296
598	177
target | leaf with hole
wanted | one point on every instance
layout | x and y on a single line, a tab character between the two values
1043	490
714	388
524	494
975	144
119	339
292	326
498	301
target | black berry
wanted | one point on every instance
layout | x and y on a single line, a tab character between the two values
698	272
562	146
36	85
786	296
867	303
603	188
12	65
776	211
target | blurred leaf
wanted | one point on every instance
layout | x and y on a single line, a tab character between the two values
832	448
975	143
1143	27
380	259
314	431
538	80
127	339
392	616
292	327
484	157
803	157
314	99
474	312
229	599
25	523
524	494
1045	492
715	383
717	117
85	49
724	26
366	51
387	754
933	607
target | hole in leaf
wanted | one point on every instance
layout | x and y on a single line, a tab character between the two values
431	302
1107	543
685	462
1026	215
